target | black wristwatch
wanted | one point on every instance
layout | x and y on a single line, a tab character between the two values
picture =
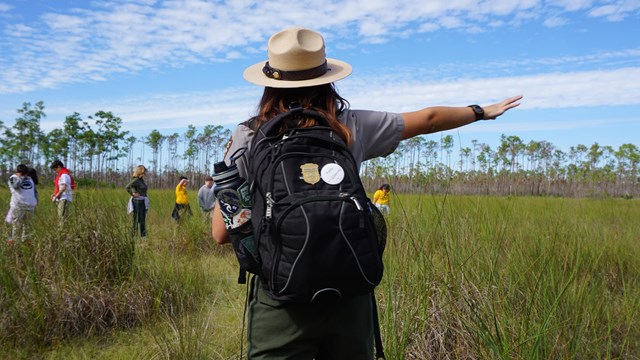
477	109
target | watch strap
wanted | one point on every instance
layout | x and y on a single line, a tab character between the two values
478	111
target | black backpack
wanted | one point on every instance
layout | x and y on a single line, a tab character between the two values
318	236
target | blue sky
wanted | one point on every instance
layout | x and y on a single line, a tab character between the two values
167	64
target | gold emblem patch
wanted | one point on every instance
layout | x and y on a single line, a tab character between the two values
310	173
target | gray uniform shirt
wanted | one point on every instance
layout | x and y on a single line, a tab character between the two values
206	199
373	134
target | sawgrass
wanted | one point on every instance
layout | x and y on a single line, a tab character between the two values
465	278
504	278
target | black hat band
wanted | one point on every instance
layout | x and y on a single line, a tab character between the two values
278	74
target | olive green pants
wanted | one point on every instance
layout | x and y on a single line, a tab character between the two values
63	210
341	330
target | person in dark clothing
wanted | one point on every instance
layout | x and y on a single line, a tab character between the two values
139	202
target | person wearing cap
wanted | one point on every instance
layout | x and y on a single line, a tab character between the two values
206	198
297	70
381	199
22	204
138	202
63	189
182	200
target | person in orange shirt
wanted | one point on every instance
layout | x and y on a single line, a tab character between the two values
182	200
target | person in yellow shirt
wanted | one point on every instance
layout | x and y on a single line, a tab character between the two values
381	199
182	200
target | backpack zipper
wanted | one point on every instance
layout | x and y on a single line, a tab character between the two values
270	202
296	203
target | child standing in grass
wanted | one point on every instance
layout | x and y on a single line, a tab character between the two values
23	203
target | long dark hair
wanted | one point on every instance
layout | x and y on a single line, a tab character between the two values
322	98
33	174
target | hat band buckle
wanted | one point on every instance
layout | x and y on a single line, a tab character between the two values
278	74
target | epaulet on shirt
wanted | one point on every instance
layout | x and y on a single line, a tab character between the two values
251	123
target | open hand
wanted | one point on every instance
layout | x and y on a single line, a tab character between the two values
491	112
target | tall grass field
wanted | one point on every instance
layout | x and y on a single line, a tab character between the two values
465	278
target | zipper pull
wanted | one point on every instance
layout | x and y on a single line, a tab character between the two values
355	201
352	198
360	211
270	202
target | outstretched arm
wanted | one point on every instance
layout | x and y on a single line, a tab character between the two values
438	118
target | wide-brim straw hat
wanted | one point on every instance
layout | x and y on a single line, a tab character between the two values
296	58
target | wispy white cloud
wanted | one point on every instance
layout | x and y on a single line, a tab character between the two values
231	106
166	110
94	43
542	91
617	10
522	66
4	7
121	37
555	22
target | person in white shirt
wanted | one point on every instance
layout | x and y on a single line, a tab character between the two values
23	203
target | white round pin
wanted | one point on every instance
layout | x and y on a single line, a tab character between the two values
332	174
